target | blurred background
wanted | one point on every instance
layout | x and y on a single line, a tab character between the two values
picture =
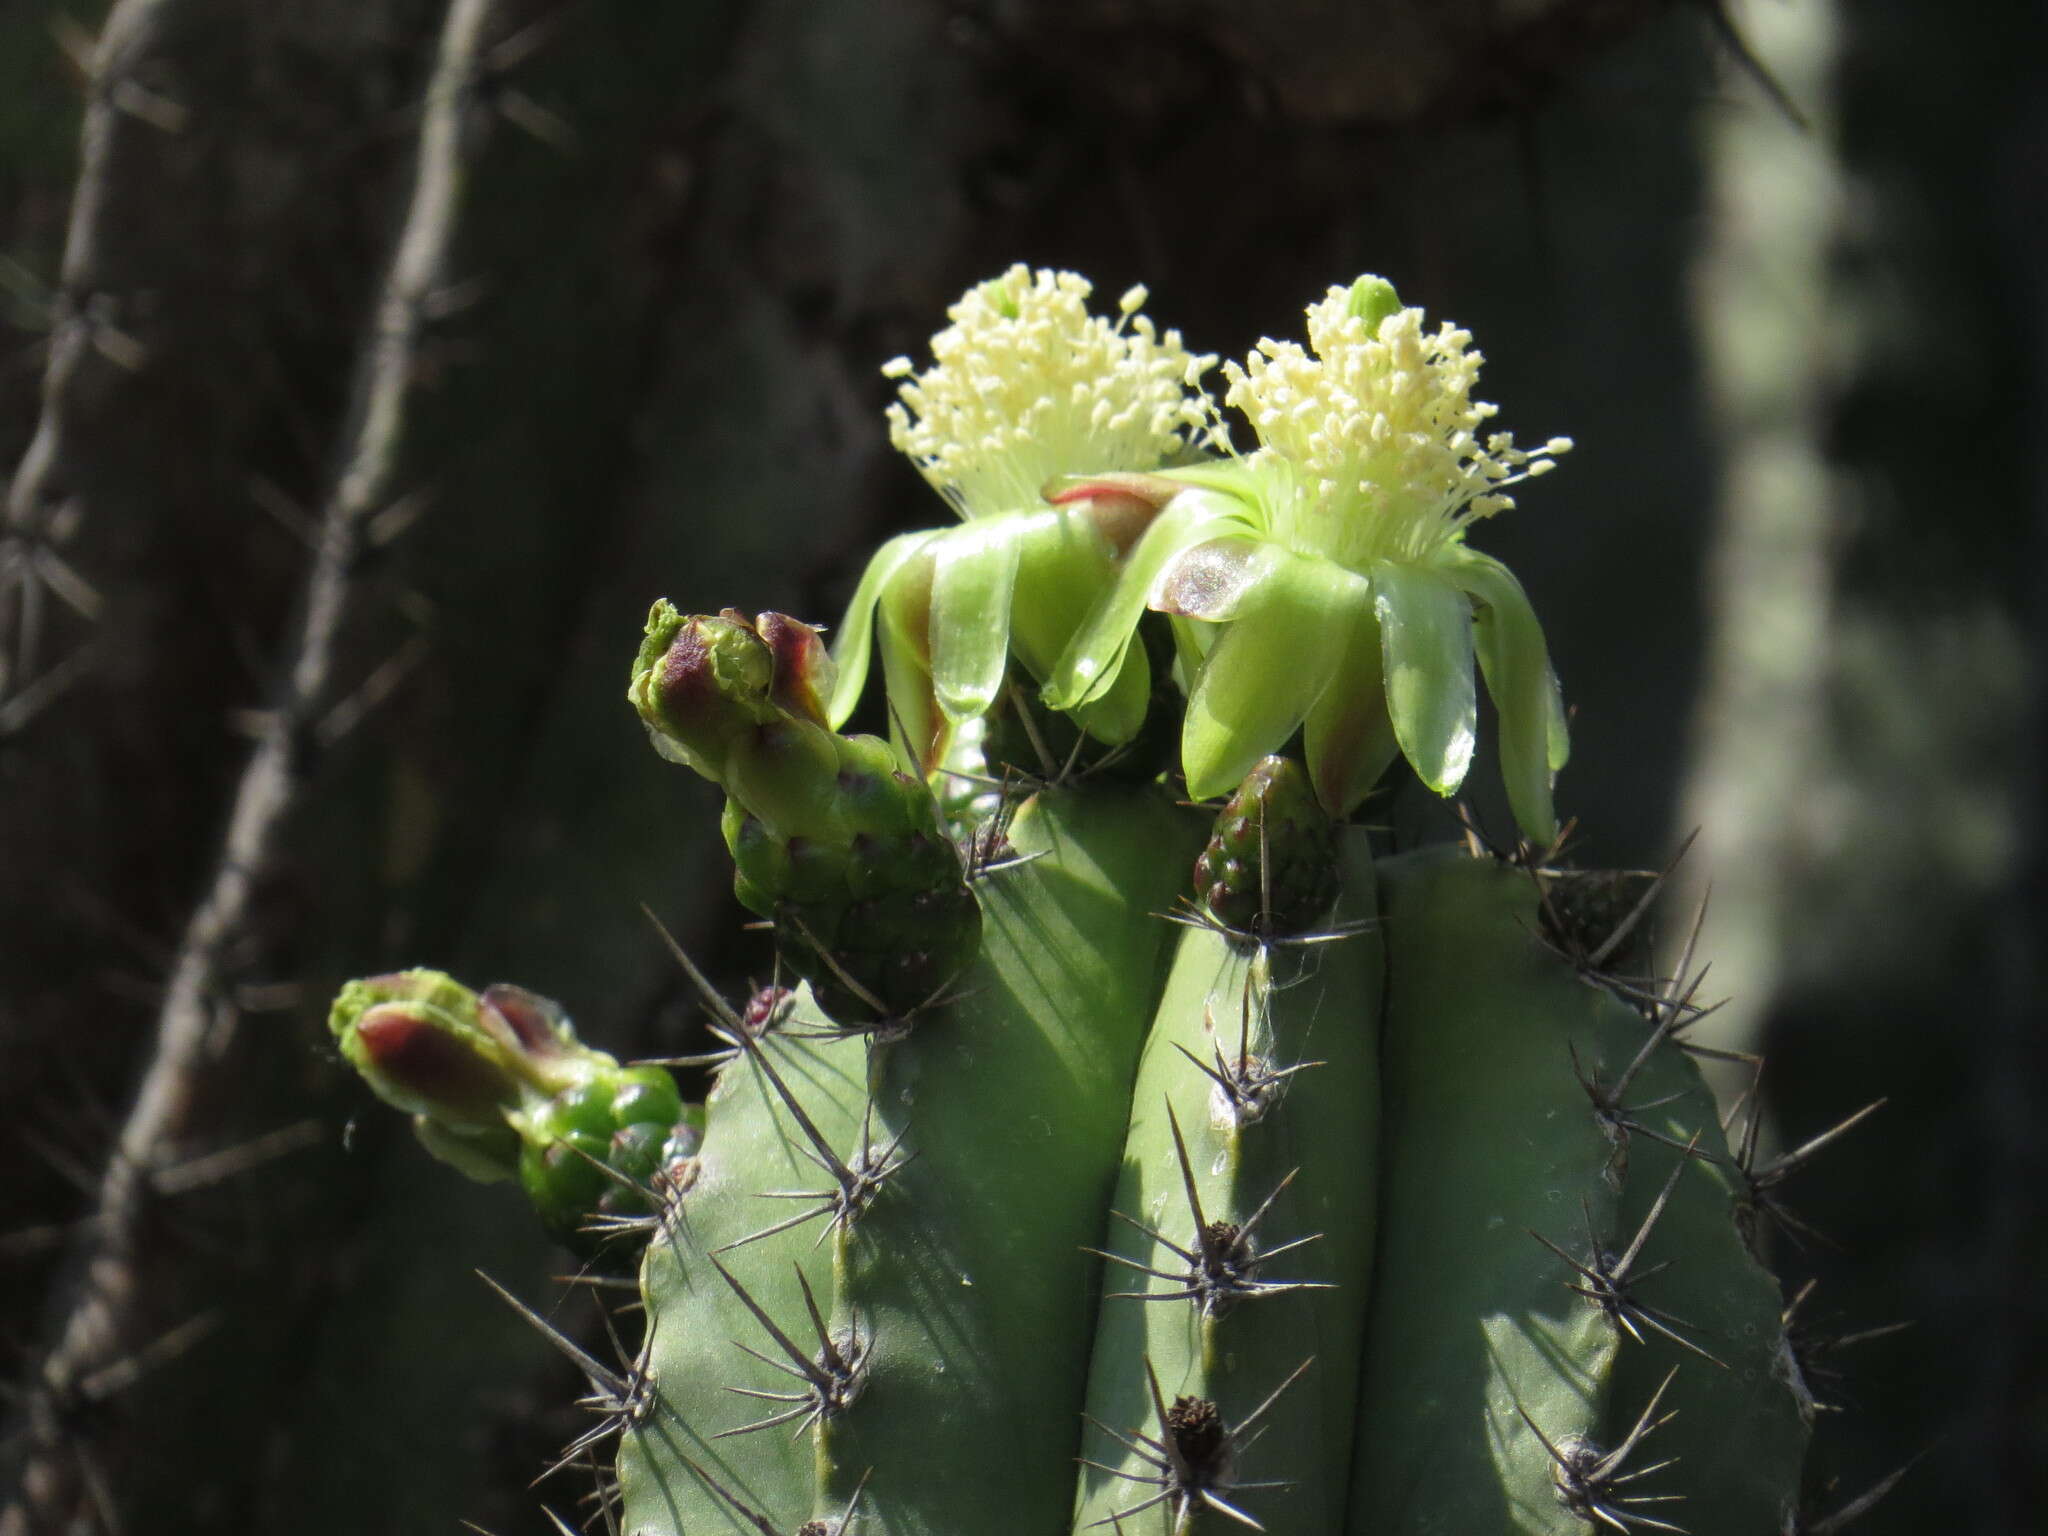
368	366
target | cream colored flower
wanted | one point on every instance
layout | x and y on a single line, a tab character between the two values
1383	434
1332	563
1025	387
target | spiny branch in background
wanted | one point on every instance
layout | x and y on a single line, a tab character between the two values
30	569
87	319
106	1283
165	1181
57	1411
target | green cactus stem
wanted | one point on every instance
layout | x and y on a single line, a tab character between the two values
957	1285
784	1122
1241	1231
1497	1387
1489	1139
1739	1436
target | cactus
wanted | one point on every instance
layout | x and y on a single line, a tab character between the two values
1125	1165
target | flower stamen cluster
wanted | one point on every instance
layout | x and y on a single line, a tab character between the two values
1026	386
1381	432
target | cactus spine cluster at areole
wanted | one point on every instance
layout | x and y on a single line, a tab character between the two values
1115	1161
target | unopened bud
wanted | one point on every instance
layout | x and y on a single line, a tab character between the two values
417	1040
1270	868
700	682
803	673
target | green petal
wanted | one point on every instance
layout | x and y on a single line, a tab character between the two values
917	725
1254	479
1209	580
1090	664
1273	662
1533	743
1064	569
1348	734
1116	715
1192	642
974	572
1426	647
856	632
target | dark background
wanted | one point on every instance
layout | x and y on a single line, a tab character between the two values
367	366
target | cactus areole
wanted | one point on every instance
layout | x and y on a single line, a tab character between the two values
1123	1162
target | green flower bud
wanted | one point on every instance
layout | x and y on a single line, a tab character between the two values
700	684
1271	866
419	1042
596	1150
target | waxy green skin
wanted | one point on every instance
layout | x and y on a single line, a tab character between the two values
1444	1126
1488	1137
1316	1003
694	1323
1491	1137
1739	1434
1442	1320
966	1277
971	1268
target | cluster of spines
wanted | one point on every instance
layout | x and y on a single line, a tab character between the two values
885	1265
1595	1414
1242	1226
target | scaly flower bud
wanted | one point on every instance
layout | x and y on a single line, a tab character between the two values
1270	868
498	1084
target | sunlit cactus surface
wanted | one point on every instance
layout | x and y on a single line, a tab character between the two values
1133	1139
